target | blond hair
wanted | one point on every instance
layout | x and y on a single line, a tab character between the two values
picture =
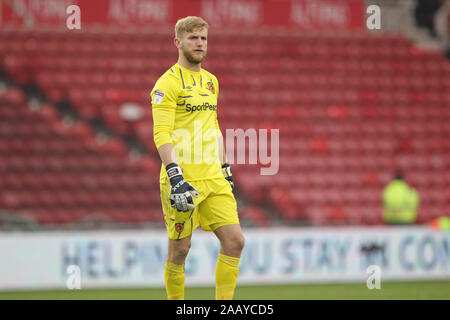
188	24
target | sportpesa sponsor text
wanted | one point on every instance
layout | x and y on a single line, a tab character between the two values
202	107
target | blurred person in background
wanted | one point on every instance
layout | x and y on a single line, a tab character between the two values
400	202
440	223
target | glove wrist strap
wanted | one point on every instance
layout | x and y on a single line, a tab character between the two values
226	170
173	170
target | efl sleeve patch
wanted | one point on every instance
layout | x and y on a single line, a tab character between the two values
158	97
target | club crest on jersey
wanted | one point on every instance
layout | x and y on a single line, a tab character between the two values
179	227
158	98
211	87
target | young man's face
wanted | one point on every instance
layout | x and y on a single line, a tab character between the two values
193	45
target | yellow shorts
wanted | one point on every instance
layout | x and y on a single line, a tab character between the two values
215	207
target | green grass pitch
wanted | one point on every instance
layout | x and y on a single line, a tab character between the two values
355	291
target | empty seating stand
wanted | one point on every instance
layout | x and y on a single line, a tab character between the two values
55	173
350	108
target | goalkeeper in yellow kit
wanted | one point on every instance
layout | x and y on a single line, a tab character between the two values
195	181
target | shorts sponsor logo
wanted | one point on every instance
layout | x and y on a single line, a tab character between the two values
179	227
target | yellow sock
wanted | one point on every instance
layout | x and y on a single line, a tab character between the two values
227	270
174	277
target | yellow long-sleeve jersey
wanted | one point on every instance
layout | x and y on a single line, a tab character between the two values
184	108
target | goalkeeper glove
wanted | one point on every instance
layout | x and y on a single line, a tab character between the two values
226	170
181	191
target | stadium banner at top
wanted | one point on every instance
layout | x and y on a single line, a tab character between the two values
39	260
299	14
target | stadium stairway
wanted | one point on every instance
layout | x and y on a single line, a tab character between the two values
351	108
